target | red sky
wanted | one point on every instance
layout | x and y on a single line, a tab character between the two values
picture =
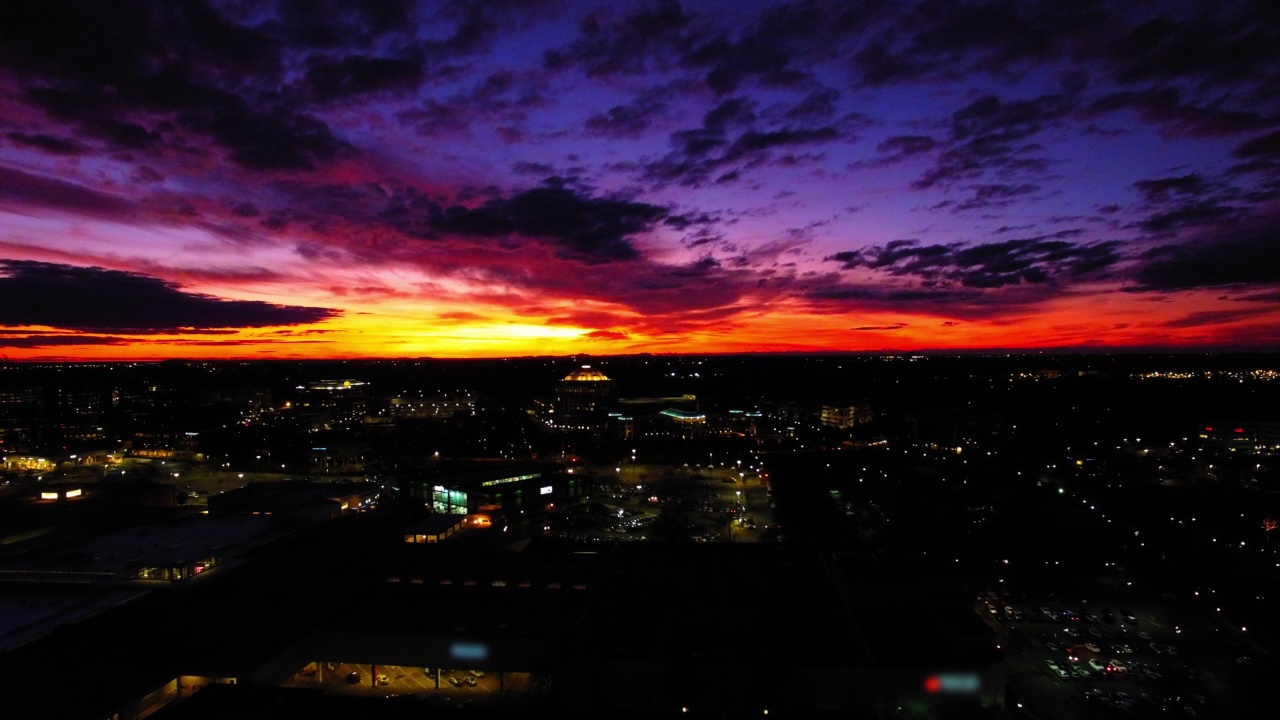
466	179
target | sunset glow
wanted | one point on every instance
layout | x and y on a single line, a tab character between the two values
395	179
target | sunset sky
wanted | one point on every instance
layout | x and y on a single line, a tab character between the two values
246	179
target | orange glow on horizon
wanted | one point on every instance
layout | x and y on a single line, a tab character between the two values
391	330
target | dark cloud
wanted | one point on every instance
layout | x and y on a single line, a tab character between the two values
989	136
775	49
1266	297
901	147
877	64
991	195
1202	318
938	39
50	340
1225	43
21	189
146	75
633	118
818	106
97	300
533	168
633	44
1247	256
1187	201
732	140
1263	146
990	265
590	229
502	98
1163	189
145	174
606	335
1222	43
356	75
1166	108
890	296
895	326
48	143
328	23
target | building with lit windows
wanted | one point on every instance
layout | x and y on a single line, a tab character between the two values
329	403
505	490
680	424
846	416
583	401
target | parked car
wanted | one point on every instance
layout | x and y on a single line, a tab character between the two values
455	681
353	677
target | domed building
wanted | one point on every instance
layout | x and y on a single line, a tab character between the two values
583	400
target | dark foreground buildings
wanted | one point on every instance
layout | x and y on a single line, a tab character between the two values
306	624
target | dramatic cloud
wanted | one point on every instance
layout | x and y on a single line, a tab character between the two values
50	341
19	189
522	176
1249	256
991	137
990	265
734	137
585	228
98	300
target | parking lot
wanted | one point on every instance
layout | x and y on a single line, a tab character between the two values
1140	659
660	502
457	685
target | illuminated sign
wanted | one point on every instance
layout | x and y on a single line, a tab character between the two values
74	493
545	491
48	495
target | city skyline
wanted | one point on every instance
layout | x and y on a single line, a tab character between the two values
393	179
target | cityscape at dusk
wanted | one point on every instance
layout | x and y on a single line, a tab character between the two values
391	179
643	360
924	537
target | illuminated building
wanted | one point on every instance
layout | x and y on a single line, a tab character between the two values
434	528
846	416
681	424
329	403
583	401
508	490
1240	435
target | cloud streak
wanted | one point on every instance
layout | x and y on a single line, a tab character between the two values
98	300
